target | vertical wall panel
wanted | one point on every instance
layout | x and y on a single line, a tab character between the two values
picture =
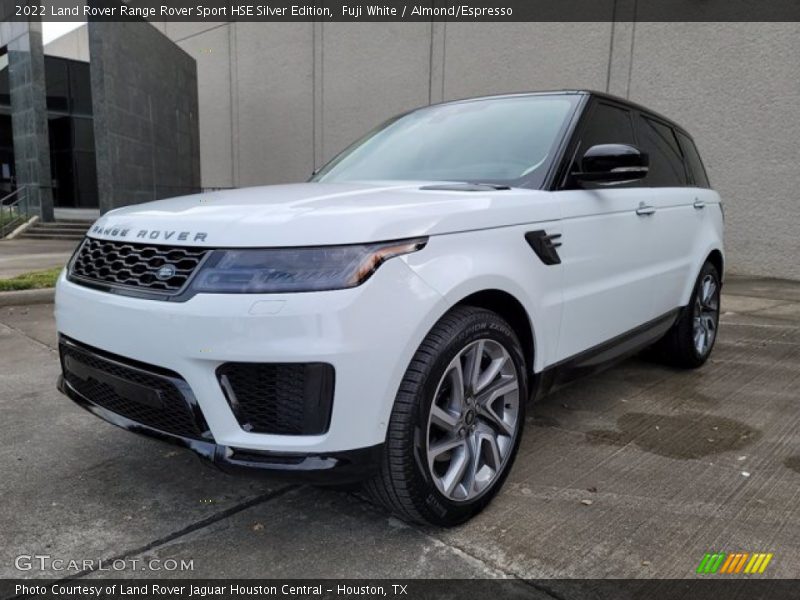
210	50
494	58
26	80
144	94
273	78
371	71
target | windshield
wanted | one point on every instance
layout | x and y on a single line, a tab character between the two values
508	141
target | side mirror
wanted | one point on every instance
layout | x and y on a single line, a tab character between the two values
613	163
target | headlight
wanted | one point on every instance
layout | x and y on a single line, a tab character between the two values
311	269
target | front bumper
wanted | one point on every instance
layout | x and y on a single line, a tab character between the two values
336	467
368	334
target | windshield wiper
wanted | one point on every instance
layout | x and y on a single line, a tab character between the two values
465	187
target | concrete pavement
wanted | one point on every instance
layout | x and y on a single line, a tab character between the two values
636	472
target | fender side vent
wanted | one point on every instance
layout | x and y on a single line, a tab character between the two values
545	246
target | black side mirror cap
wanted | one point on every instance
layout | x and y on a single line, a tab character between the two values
613	163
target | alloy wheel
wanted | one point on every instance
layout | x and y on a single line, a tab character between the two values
472	425
706	315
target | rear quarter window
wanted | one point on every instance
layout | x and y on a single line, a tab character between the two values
696	169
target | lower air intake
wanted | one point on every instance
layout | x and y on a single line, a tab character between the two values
279	398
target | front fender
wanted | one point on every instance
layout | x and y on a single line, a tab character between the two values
460	265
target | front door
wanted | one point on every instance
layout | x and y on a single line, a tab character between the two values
605	270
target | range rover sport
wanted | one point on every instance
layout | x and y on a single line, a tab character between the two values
386	321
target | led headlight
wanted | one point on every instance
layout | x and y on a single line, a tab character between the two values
276	270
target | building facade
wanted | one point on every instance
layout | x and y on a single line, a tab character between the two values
277	100
96	129
70	133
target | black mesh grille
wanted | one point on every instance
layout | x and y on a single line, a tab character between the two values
284	399
131	391
136	265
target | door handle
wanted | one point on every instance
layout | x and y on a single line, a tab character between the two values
699	204
645	209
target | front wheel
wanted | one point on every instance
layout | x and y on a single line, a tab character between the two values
456	422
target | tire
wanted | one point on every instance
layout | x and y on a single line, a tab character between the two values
419	481
681	346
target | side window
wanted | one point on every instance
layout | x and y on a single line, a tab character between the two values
608	124
696	168
666	161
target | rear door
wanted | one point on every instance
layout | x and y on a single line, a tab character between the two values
701	193
605	268
672	230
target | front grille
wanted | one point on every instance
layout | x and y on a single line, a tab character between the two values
142	393
160	269
283	399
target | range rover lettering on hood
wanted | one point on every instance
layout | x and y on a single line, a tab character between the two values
150	234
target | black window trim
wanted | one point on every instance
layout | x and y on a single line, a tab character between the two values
554	179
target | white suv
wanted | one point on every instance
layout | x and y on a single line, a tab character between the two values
387	321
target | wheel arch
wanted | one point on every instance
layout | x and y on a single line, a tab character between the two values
507	306
712	254
715	258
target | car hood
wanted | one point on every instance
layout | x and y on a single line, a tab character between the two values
319	214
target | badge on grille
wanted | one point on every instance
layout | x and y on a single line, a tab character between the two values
166	272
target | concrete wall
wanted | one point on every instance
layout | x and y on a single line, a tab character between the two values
736	87
492	58
144	93
278	100
73	45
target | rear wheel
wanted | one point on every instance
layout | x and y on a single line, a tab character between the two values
456	423
690	341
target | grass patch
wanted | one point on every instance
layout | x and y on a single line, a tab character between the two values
31	281
6	218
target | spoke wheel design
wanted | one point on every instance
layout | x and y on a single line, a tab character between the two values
473	420
706	315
